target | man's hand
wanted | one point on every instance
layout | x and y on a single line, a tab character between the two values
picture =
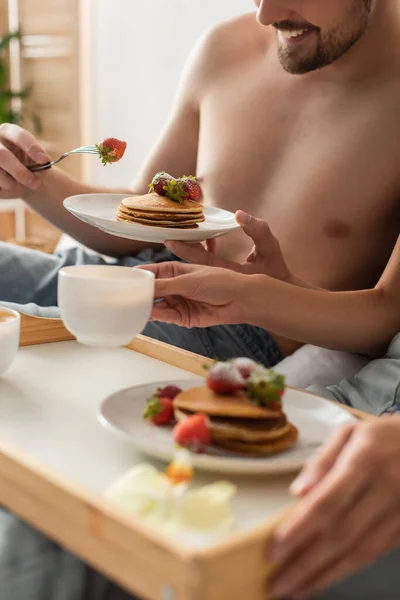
18	147
265	258
349	514
197	296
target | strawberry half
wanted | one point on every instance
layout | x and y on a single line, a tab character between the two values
225	378
159	410
159	183
192	187
192	433
111	150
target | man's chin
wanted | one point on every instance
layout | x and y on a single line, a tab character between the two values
298	66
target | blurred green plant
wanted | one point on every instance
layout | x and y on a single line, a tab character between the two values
7	114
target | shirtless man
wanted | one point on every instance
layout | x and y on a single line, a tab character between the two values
294	115
317	156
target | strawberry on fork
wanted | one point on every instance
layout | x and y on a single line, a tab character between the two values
111	150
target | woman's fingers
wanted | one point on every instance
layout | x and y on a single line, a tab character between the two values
168	269
193	253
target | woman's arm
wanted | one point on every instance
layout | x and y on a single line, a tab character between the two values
357	321
360	321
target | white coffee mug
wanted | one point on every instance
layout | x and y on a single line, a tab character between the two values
105	305
10	326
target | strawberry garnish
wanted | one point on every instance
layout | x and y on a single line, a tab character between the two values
191	187
225	378
184	188
266	389
159	410
175	190
246	366
193	432
159	183
111	150
169	391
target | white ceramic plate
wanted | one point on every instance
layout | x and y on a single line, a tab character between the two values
99	210
315	418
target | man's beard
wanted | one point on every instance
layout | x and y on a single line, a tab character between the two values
330	46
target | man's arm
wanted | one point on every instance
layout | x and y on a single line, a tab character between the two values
176	152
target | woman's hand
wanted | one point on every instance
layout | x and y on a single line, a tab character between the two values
349	514
197	296
265	258
18	147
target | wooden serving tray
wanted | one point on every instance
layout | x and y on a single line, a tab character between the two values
56	460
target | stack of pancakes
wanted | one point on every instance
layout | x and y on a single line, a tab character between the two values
236	423
160	211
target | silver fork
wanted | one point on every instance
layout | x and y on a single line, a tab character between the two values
34	168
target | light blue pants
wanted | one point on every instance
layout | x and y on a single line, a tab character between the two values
32	567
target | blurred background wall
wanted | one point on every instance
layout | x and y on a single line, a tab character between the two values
98	69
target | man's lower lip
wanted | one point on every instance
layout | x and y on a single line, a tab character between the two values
298	38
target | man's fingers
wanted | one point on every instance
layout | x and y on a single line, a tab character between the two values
322	506
193	253
382	540
322	462
6	182
13	167
345	534
24	140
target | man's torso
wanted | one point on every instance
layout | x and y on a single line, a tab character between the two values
318	160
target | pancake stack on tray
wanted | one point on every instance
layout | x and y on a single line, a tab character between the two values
159	211
249	421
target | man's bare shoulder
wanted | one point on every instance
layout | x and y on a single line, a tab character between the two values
231	44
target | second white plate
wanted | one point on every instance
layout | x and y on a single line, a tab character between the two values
315	418
99	210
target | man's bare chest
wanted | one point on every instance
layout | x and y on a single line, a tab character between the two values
321	156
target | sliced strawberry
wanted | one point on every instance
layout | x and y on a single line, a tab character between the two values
225	378
111	150
159	183
159	410
193	432
169	391
191	187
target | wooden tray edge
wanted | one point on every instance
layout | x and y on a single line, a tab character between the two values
113	542
36	330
